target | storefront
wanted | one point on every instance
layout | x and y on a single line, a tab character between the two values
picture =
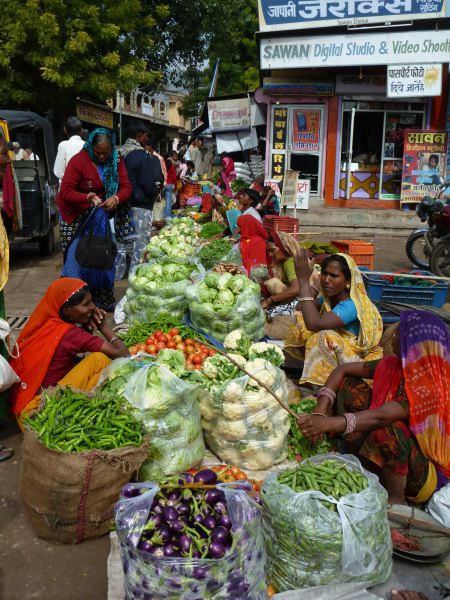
330	113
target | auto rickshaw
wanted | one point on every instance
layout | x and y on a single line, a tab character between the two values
35	213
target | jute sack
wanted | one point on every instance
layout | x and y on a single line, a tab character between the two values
70	497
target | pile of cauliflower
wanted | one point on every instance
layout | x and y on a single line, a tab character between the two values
177	239
242	422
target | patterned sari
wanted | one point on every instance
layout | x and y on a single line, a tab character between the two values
325	350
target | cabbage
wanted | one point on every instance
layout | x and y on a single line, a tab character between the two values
224	280
225	297
223	309
238	283
212	279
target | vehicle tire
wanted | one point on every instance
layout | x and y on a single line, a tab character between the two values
47	242
440	259
417	250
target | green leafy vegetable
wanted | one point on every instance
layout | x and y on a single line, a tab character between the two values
299	447
211	229
214	252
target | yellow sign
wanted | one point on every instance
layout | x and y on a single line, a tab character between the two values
95	115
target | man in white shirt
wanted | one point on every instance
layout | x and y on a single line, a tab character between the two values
69	147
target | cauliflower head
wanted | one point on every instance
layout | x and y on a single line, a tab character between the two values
269	352
237	341
232	393
233	412
232	430
263	371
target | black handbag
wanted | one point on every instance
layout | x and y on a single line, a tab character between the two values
96	252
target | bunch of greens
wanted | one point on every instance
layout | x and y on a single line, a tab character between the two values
211	229
238	184
139	331
212	253
299	447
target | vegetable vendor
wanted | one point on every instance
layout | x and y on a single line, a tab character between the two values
51	340
247	200
227	174
342	325
401	425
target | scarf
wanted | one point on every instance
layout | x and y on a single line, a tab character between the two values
39	340
129	146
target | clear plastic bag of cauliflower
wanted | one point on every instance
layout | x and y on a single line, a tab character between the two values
243	423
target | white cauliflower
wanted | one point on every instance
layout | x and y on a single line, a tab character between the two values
262	370
230	456
256	459
240	361
233	412
269	352
237	341
208	426
232	430
261	419
207	410
232	392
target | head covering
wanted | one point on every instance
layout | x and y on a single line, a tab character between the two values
39	340
371	324
286	242
253	242
108	169
425	354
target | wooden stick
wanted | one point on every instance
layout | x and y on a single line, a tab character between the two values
260	383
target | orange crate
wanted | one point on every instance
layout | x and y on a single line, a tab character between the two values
361	252
276	223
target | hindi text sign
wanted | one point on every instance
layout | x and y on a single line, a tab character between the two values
411	81
229	115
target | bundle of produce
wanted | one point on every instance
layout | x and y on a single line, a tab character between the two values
177	239
213	252
159	288
191	539
224	302
227	474
325	522
211	229
243	423
78	451
168	409
137	333
299	447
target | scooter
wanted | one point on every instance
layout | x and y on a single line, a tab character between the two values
422	241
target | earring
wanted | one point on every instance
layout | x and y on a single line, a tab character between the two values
347	286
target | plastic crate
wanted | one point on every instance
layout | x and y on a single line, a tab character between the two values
362	252
285	224
380	290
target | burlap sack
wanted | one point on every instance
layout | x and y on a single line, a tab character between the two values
69	497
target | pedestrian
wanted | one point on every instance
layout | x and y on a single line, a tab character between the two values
145	175
151	149
69	147
196	152
170	187
94	186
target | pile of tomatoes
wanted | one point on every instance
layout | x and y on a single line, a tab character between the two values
195	352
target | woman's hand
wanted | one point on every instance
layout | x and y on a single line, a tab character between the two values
312	426
97	320
267	303
94	199
303	267
110	204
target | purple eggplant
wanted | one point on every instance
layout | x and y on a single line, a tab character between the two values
217	550
200	572
157	551
188	477
184	510
206	476
158	509
174	495
222	535
170	549
184	542
220	508
145	546
196	554
154	521
224	521
162	535
209	522
130	491
177	526
170	514
198	518
213	496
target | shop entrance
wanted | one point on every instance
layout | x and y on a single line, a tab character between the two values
297	142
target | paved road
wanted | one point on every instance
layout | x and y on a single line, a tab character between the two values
31	568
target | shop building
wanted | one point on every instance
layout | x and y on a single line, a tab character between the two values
334	112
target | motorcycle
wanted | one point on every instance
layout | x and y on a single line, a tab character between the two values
440	256
422	241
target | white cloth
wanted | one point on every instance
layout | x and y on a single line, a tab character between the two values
66	150
253	213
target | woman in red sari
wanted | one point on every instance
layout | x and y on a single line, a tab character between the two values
253	242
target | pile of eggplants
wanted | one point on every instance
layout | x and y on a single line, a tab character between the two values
190	539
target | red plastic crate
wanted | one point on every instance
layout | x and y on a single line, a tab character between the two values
363	253
286	224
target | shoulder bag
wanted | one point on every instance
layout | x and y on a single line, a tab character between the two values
94	251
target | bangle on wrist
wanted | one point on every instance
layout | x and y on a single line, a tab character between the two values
320	414
306	299
327	393
114	339
350	419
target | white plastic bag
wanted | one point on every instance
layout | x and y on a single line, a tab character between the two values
439	506
8	376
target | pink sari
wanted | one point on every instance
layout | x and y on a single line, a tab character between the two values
228	174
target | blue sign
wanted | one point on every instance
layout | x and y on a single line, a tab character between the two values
297	14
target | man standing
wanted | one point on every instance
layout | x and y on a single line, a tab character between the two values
196	152
144	173
69	147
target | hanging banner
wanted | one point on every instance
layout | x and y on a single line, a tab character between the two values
303	190
424	164
407	81
229	115
290	189
306	130
278	165
279	129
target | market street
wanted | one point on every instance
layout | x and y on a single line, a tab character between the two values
33	569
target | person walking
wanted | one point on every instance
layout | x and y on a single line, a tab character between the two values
170	186
69	147
144	172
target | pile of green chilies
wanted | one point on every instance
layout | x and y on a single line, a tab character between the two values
74	422
139	332
332	478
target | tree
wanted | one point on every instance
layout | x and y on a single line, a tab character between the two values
53	51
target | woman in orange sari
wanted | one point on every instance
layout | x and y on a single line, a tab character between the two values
253	242
61	327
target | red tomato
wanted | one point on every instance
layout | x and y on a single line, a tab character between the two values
160	346
189	342
241	476
157	333
163	338
150	340
169	337
174	331
171	344
203	356
197	345
211	352
180	346
141	347
203	348
197	359
151	349
197	367
235	470
190	349
177	339
133	350
189	366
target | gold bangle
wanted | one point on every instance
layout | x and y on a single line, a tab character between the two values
114	339
306	298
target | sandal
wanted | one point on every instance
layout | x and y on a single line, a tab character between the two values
5	453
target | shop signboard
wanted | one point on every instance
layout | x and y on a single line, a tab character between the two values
357	84
387	48
325	88
95	115
229	115
283	15
290	189
278	165
411	81
424	164
303	190
306	130
279	128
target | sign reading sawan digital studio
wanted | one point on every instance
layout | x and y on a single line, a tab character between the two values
282	15
360	49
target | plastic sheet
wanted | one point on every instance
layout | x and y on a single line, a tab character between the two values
309	545
439	506
239	575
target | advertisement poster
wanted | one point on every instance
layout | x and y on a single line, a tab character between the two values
424	164
229	115
406	81
290	185
306	128
303	189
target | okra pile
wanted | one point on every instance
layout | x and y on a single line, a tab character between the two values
75	422
332	478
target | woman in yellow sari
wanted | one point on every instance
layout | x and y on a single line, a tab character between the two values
340	326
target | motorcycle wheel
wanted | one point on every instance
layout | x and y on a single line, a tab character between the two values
440	259
417	250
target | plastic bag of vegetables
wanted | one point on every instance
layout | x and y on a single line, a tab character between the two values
313	539
169	411
160	560
243	424
177	239
224	302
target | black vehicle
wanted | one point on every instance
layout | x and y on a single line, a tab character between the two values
36	216
421	242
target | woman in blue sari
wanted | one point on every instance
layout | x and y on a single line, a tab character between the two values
95	187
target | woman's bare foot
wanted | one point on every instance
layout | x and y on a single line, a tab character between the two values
407	595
